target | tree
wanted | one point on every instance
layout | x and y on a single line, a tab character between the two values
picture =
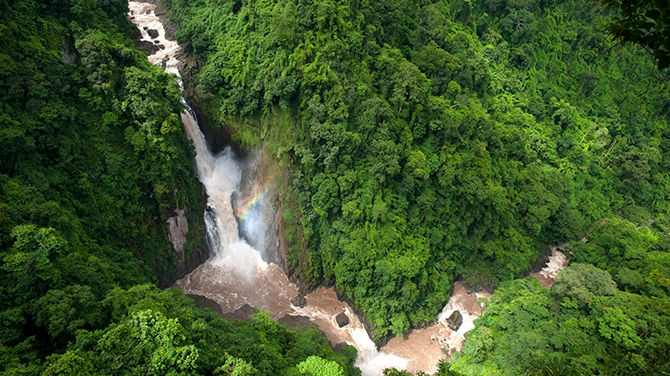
315	366
236	367
67	311
31	263
615	325
643	22
583	282
146	343
72	363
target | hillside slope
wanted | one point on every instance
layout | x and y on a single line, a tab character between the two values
435	140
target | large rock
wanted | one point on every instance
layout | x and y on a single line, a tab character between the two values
455	320
296	322
243	313
299	301
67	53
153	33
204	302
147	47
342	319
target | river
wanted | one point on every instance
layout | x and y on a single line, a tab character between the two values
236	274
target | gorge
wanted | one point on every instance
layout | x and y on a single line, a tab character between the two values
236	274
336	187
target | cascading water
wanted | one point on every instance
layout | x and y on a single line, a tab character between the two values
236	274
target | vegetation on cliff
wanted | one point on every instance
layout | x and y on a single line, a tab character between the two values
436	140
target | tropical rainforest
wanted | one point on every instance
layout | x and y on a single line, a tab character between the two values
422	142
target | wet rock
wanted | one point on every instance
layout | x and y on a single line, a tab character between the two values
145	27
161	46
243	313
342	319
147	47
299	301
178	226
67	53
296	322
156	42
338	347
163	63
478	288
153	33
539	264
455	320
203	302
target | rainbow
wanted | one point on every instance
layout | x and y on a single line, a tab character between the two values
245	208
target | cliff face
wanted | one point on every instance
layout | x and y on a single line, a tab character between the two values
185	225
187	235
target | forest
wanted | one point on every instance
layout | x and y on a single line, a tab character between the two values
424	142
434	141
93	160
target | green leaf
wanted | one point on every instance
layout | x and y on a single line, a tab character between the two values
663	62
653	14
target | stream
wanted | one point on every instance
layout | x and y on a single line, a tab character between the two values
236	275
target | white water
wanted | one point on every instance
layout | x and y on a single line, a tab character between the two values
557	262
236	274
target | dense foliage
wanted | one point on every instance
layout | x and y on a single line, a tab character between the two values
91	146
582	326
93	160
431	140
637	258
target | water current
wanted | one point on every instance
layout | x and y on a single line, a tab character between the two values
236	274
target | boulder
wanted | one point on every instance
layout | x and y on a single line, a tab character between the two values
299	301
342	319
243	313
153	33
163	63
147	47
455	320
204	302
338	347
296	321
